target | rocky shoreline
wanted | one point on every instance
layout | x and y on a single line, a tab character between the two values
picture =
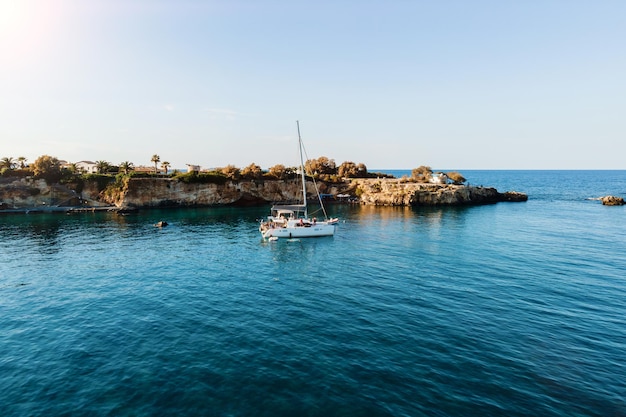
30	195
399	192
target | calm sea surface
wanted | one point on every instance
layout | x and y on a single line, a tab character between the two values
513	309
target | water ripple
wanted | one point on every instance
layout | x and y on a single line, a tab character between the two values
500	310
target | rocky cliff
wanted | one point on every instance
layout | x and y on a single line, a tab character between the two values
154	192
29	193
168	192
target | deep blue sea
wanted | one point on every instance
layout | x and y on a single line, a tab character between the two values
512	309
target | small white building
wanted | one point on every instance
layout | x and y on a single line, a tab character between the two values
193	168
439	178
87	166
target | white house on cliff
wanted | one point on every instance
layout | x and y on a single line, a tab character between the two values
87	166
81	166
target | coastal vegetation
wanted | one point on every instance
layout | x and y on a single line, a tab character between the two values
103	167
126	167
88	183
323	169
456	177
155	159
194	177
7	163
48	168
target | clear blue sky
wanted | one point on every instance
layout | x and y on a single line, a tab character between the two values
393	84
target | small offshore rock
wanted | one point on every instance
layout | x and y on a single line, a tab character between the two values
514	196
611	200
126	210
161	224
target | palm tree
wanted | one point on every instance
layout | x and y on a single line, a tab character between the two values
156	159
165	166
22	161
126	167
7	162
102	166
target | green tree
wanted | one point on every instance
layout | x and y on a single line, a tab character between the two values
47	167
165	166
126	167
155	159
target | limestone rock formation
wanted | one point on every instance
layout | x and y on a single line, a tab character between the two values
24	193
394	192
513	196
161	192
611	200
169	192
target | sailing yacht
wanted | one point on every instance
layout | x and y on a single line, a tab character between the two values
292	220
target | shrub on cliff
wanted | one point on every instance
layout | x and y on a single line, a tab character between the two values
114	189
102	180
349	169
231	171
280	172
288	174
422	173
135	174
277	172
456	177
252	172
48	168
320	166
18	173
193	177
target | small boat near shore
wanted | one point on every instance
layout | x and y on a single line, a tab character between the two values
292	220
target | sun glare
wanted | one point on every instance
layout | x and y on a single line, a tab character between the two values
26	26
13	16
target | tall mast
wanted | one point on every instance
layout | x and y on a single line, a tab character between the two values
306	213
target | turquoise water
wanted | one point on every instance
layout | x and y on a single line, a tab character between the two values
511	309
